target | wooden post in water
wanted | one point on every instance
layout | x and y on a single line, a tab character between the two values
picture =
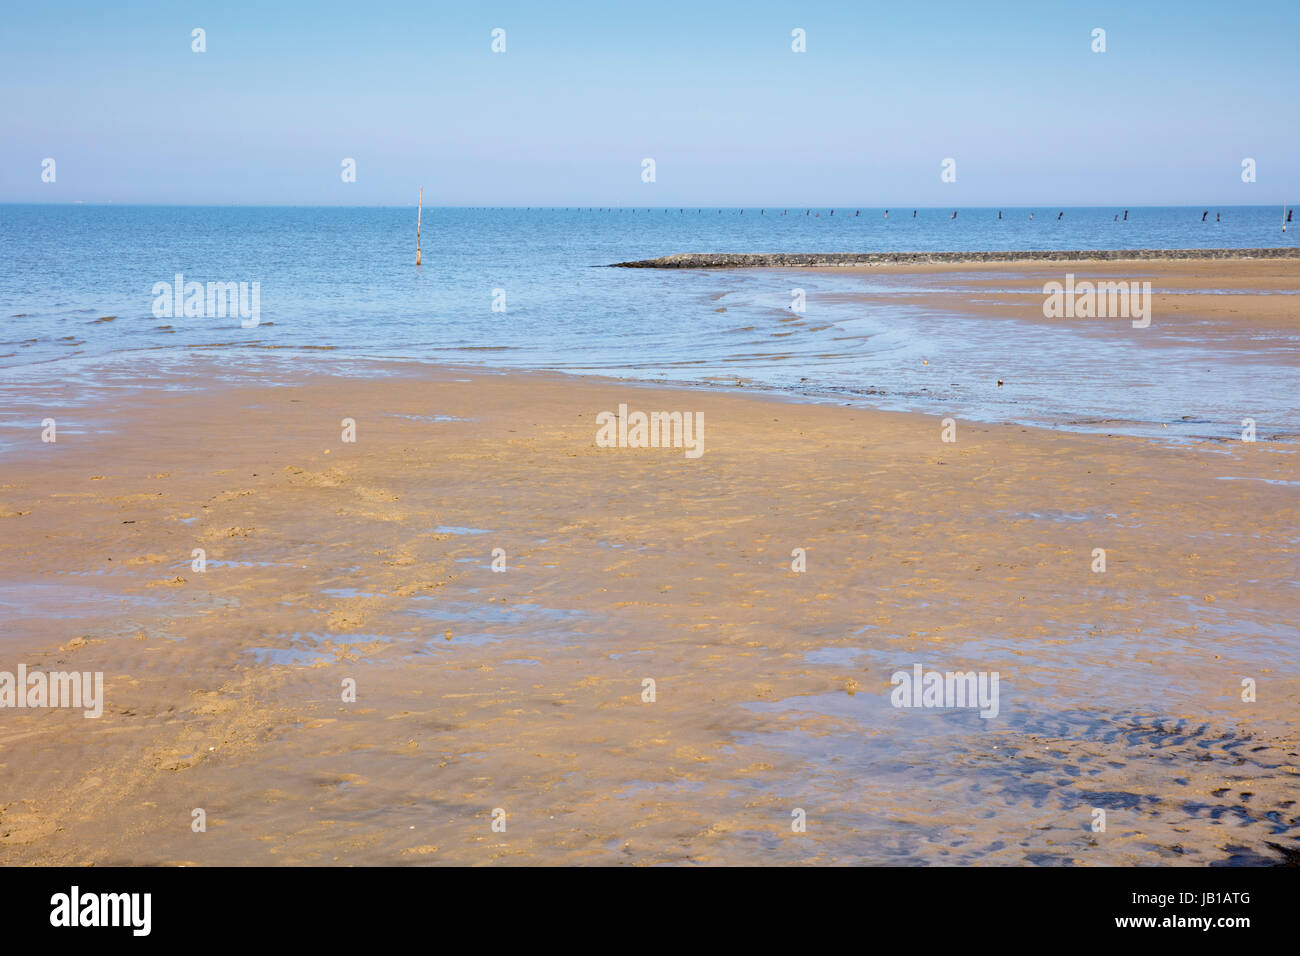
418	214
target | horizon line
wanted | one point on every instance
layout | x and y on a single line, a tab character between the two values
630	207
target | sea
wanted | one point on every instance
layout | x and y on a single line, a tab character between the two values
531	288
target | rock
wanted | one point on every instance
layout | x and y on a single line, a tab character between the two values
770	260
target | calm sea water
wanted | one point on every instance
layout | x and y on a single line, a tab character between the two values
339	285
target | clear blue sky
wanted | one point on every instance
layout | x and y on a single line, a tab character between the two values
711	91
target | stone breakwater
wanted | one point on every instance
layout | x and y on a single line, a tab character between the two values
759	260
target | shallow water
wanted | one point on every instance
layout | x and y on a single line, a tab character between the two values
338	284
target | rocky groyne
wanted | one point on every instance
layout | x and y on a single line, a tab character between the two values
760	260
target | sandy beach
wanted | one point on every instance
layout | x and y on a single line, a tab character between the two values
523	690
1214	298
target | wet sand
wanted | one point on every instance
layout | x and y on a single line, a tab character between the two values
1259	295
522	690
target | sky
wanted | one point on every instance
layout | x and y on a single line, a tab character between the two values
713	93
